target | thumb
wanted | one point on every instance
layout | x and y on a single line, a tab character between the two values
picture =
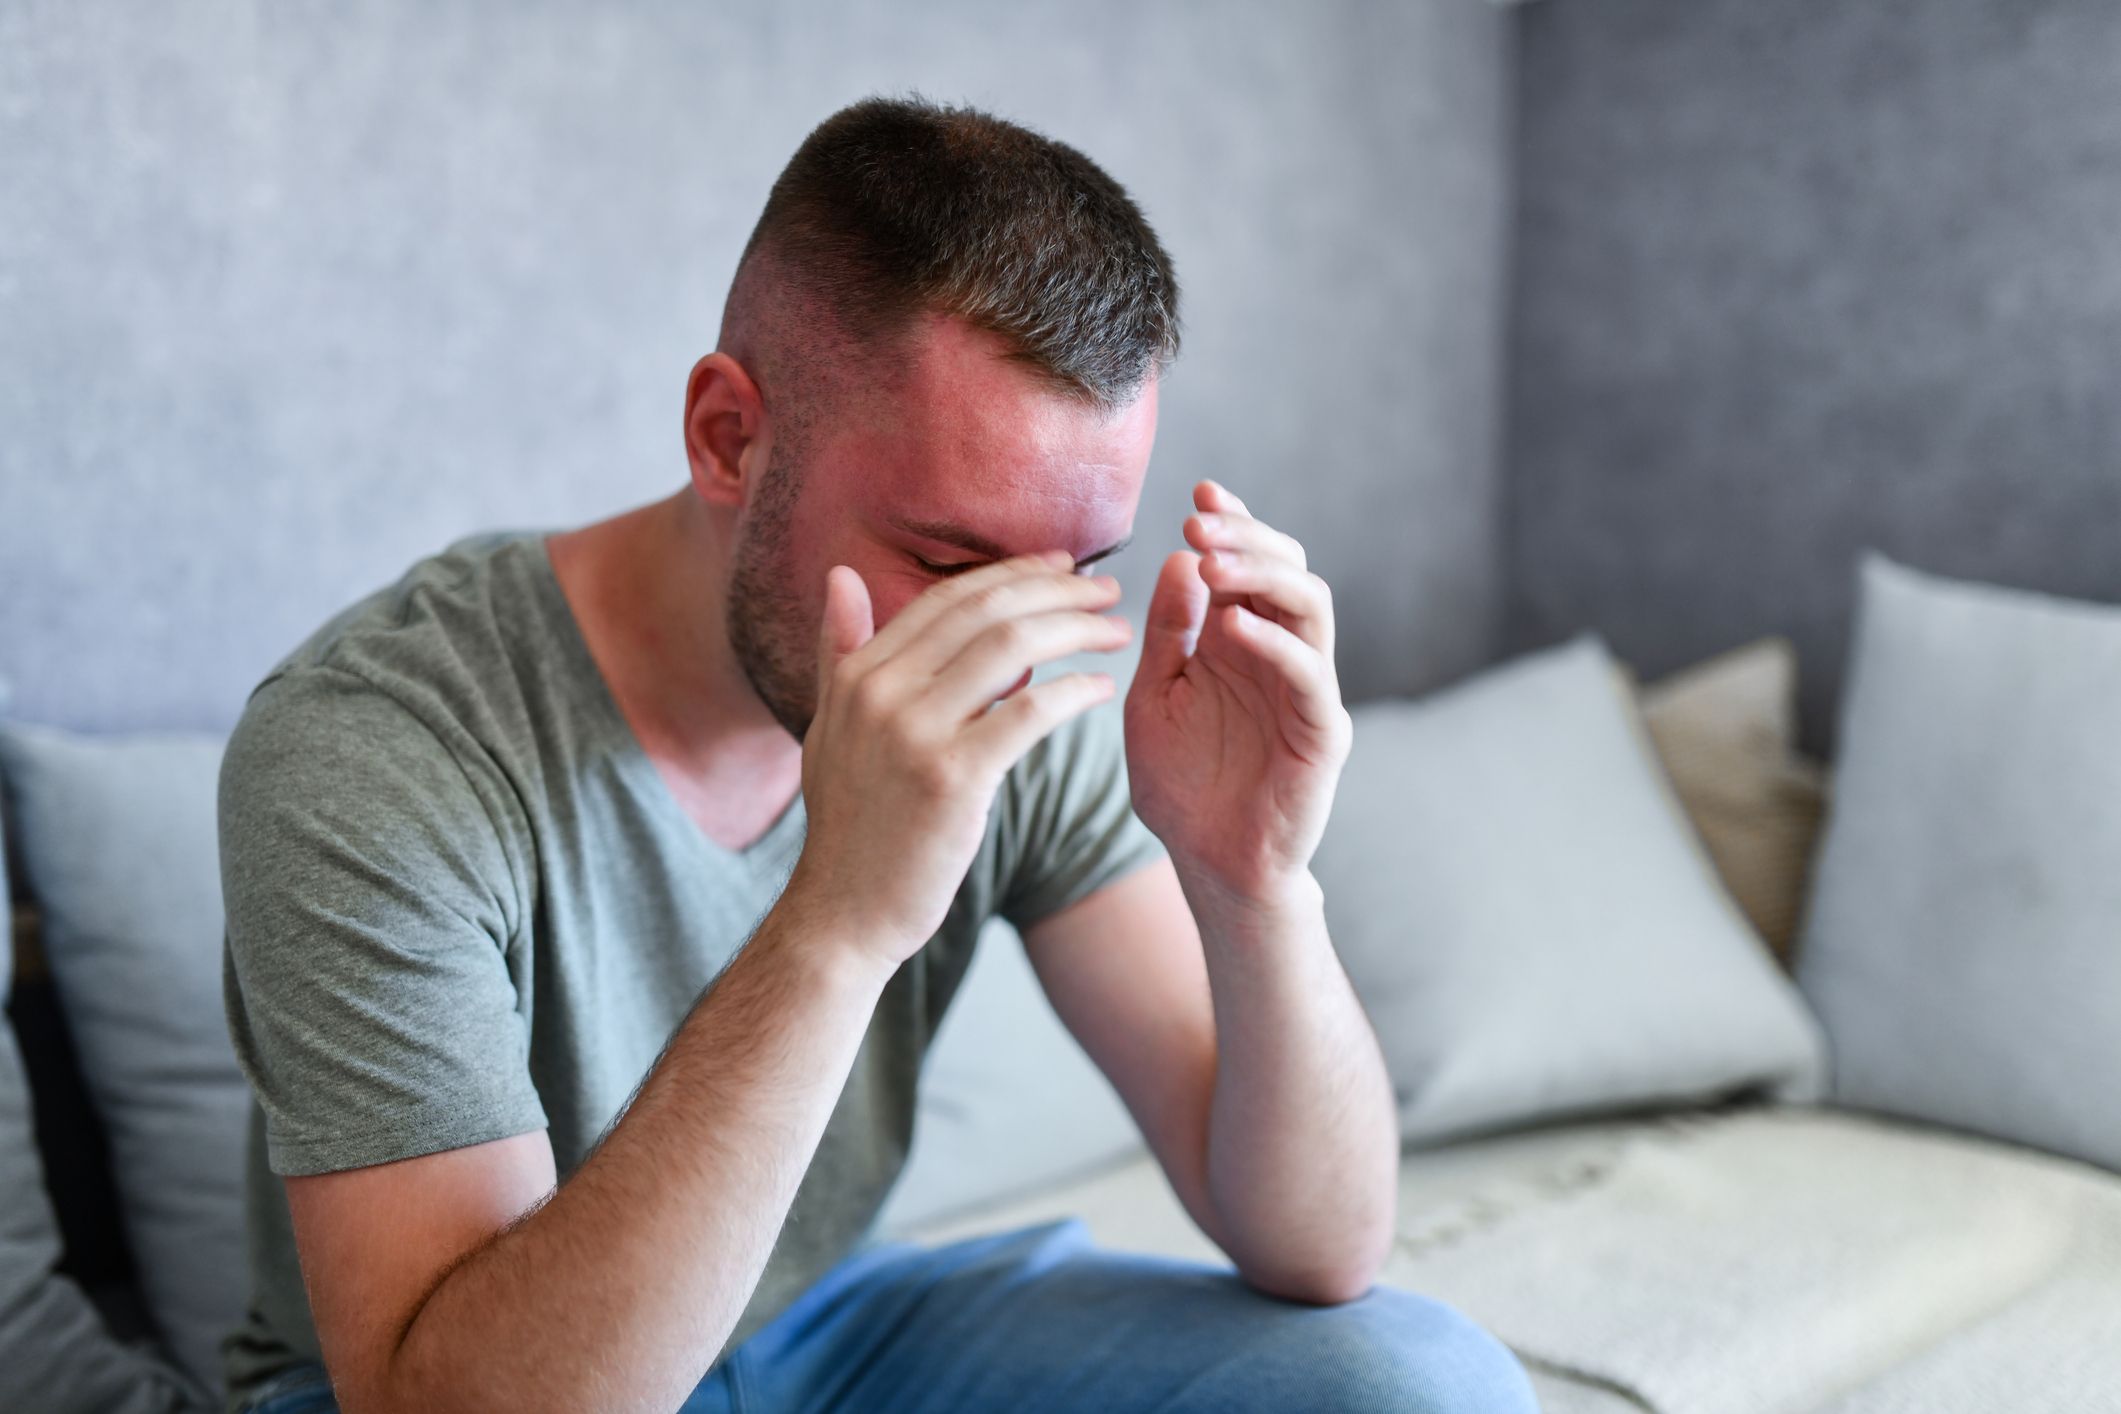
1177	609
848	621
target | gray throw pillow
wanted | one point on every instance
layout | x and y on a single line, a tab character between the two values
1963	943
118	844
1529	920
55	1354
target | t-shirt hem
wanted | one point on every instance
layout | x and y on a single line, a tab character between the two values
299	1158
1022	913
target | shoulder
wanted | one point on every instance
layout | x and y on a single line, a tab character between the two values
446	614
336	805
320	750
436	653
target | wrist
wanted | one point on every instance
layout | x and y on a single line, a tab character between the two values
1267	906
830	938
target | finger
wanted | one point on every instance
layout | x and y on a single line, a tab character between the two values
1301	600
1211	495
1042	591
1015	724
1177	609
1308	676
1213	530
942	596
847	623
998	656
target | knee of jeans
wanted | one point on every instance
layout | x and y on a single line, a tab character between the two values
1398	1351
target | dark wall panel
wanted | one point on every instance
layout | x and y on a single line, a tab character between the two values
1796	278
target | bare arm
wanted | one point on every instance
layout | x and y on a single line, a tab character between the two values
1249	1065
464	1280
1209	990
1303	1140
616	1291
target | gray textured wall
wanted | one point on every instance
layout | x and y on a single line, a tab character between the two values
292	294
1795	278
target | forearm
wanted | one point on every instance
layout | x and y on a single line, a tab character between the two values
1302	1144
620	1289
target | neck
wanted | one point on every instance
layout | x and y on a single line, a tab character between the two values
649	587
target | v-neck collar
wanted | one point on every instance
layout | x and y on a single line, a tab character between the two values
769	850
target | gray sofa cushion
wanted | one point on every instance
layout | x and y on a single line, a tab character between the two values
55	1354
117	843
1528	918
1963	946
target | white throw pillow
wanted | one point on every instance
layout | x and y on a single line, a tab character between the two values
1963	945
1529	920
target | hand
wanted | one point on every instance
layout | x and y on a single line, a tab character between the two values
1235	729
908	746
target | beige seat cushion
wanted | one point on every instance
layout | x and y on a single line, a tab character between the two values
1725	730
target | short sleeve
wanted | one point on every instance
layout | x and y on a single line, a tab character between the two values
1069	817
371	901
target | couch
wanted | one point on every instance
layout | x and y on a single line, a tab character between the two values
1632	997
1651	319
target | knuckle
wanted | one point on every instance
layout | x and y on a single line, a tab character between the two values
1012	637
991	598
966	588
1032	705
869	693
1081	591
1343	733
901	734
935	775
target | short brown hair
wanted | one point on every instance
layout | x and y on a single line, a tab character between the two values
894	207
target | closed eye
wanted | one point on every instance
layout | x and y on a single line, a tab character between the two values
945	569
959	568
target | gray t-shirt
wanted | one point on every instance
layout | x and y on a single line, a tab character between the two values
463	904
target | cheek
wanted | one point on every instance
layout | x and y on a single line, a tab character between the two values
891	592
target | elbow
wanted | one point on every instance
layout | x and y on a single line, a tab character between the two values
1323	1277
1319	1286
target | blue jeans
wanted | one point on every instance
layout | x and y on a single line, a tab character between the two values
1042	1319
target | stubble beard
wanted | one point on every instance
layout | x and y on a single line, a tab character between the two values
764	616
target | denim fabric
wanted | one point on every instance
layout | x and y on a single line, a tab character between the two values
301	1389
1041	1319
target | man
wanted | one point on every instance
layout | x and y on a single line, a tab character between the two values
593	895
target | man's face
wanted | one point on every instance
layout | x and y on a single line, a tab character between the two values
972	460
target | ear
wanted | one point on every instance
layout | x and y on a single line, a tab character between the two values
726	430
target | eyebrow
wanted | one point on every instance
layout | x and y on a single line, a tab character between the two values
972	540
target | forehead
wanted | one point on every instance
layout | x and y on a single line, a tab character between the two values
968	437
